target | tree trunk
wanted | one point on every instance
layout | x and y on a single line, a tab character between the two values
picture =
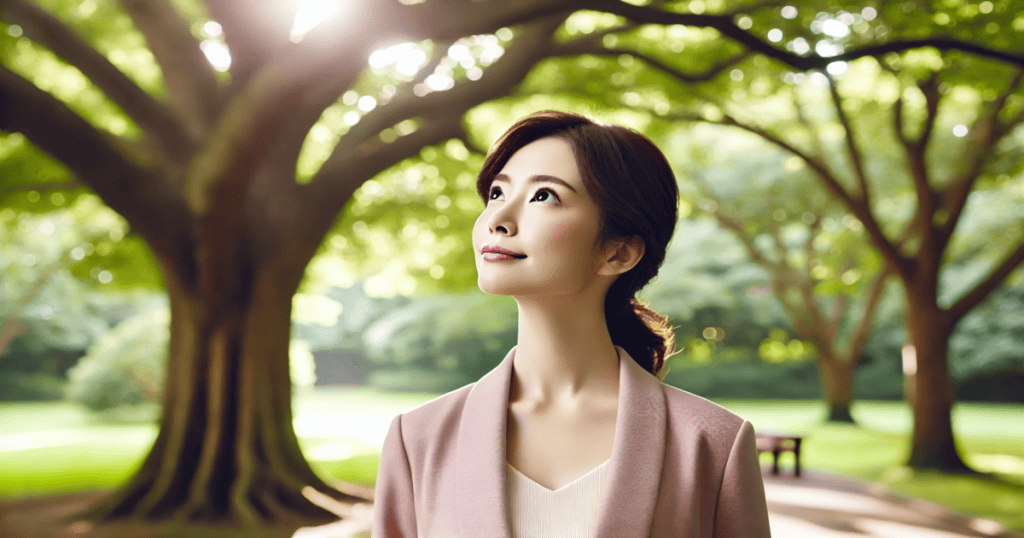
226	449
932	445
837	388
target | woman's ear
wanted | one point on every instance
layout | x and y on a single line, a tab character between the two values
622	255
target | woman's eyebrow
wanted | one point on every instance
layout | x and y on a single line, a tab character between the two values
537	178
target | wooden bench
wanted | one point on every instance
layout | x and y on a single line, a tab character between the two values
777	443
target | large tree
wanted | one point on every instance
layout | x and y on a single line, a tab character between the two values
210	184
204	167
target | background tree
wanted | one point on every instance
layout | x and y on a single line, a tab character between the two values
822	272
942	187
195	131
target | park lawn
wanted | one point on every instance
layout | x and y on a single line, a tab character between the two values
56	447
990	437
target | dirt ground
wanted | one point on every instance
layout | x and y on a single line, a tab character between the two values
51	516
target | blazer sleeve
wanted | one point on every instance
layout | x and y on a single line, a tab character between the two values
394	508
742	510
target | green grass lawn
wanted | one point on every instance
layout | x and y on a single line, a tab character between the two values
52	447
990	437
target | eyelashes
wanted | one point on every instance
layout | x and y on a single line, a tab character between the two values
490	195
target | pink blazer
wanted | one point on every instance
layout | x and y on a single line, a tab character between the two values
681	466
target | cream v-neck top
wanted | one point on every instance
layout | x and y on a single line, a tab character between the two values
568	512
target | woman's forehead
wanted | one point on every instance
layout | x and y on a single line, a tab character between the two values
550	156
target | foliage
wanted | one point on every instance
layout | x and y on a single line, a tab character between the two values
42	253
876	379
717	299
457	338
22	386
987	349
126	365
337	317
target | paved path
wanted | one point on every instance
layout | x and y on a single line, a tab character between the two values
819	505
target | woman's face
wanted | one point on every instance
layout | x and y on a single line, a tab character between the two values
538	207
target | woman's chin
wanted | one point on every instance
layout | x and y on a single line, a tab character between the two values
493	287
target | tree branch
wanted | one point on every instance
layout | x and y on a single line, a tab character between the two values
68	184
755	6
812	130
851	143
282	95
593	43
156	120
470	144
404	105
348	166
783	277
254	31
773	233
982	289
725	25
930	88
453	19
889	252
142	196
734	224
797	315
820	328
941	43
863	329
506	72
897	121
986	132
572	49
191	82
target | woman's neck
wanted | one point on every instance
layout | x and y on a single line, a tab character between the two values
564	354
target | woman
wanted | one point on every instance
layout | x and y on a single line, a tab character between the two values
572	434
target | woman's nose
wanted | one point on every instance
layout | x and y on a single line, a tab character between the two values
503	219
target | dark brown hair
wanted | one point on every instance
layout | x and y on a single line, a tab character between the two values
633	185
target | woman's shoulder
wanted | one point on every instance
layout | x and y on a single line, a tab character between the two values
435	417
700	412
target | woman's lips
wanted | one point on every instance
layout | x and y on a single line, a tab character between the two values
497	256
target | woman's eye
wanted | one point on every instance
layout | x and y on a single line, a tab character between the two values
544	190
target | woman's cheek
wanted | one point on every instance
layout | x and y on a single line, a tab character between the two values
559	233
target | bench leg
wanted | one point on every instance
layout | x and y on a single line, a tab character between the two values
796	457
775	462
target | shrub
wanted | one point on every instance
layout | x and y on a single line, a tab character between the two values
441	338
415	379
126	365
33	386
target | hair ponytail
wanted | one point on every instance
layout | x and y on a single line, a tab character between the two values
642	332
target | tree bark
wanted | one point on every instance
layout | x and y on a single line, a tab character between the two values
226	449
837	388
932	397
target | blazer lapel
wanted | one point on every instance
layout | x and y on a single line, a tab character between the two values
627	508
482	502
